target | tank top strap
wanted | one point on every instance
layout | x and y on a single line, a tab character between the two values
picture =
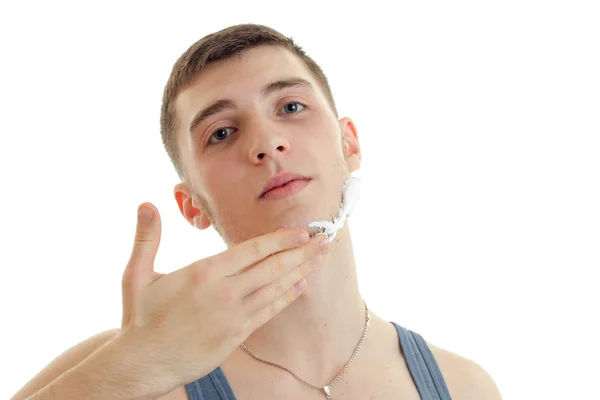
422	365
213	386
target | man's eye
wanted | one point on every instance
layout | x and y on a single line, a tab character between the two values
219	135
292	108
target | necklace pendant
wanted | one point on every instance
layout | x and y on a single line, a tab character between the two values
328	393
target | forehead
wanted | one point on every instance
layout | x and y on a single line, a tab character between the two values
239	78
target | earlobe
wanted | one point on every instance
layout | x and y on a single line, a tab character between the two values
201	222
192	213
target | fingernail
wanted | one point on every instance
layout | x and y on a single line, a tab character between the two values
145	214
301	284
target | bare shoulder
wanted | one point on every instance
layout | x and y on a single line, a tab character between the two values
466	380
65	361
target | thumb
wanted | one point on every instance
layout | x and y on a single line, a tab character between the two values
140	268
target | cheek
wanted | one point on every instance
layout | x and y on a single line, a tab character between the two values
325	137
222	181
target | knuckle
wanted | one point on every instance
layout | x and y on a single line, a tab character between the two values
197	278
277	289
208	262
209	268
254	250
142	237
275	307
202	274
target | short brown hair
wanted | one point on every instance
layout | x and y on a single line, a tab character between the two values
221	45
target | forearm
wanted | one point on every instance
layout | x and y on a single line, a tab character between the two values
109	373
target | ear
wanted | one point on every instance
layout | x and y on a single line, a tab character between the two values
350	144
192	212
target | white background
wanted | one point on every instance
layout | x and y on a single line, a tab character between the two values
479	220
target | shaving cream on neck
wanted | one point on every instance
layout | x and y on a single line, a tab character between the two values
349	199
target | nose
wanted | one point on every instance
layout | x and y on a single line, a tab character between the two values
267	141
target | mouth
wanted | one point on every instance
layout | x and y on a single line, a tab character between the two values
286	189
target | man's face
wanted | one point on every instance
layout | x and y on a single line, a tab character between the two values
231	154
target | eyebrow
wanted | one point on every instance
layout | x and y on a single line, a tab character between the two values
226	104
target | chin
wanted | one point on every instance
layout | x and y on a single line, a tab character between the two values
297	221
296	215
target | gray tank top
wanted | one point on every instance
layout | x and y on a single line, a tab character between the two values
422	366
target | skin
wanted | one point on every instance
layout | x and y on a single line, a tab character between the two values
225	178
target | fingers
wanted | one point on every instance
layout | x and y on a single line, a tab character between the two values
278	290
273	269
250	252
265	303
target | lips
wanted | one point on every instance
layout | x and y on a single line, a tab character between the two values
281	180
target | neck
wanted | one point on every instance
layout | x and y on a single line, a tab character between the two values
316	334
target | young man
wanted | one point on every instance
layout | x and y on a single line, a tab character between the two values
250	124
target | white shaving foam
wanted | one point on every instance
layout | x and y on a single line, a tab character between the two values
349	199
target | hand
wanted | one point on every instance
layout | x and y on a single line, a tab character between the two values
180	326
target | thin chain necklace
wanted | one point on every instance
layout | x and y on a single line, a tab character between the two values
326	389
